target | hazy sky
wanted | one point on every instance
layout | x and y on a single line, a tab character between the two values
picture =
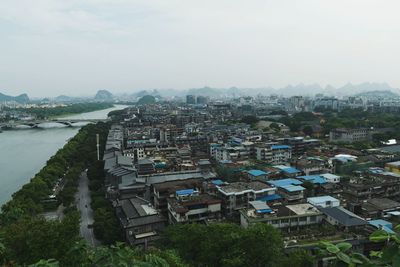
52	47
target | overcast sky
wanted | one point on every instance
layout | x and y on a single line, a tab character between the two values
52	47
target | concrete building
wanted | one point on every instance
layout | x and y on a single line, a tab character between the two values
290	216
342	135
190	206
140	222
237	195
393	167
324	201
191	99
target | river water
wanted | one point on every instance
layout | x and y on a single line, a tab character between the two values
24	152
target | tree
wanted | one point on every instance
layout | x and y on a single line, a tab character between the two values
31	239
388	256
147	99
308	130
275	126
206	245
250	119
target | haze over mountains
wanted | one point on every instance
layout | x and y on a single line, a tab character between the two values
363	89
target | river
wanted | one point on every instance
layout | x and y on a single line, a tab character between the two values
24	152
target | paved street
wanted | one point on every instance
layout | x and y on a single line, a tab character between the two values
83	203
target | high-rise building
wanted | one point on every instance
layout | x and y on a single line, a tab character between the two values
190	99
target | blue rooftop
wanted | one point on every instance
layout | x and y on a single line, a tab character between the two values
264	211
280	147
217	182
293	188
382	224
291	170
270	197
315	179
285	182
256	172
185	192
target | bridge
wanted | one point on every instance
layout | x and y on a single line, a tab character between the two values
41	123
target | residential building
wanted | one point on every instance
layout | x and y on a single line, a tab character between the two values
190	206
324	201
289	216
237	195
342	135
140	222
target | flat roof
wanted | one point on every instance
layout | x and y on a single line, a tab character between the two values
293	188
256	172
241	187
315	179
285	182
304	208
321	199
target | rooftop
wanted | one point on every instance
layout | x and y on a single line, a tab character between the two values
302	209
285	182
395	163
315	179
256	172
242	187
321	199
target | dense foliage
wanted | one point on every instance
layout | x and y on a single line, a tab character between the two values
230	245
147	99
343	255
106	226
45	113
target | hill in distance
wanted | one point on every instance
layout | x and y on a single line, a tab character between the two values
103	95
378	94
23	98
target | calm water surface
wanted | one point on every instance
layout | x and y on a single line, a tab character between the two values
24	152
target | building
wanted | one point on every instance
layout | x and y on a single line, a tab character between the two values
191	99
393	167
190	206
324	201
343	218
237	195
257	175
290	189
281	154
331	178
140	222
290	216
145	166
165	190
376	208
342	135
202	100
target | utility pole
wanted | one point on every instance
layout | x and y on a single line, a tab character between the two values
98	146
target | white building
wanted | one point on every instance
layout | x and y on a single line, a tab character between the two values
324	201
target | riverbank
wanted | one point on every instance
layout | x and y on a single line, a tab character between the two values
60	174
24	153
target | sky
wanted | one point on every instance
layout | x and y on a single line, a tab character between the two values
53	47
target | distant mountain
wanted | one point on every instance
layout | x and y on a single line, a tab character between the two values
350	89
378	94
142	93
64	98
23	98
103	95
147	99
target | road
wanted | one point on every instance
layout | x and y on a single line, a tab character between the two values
83	200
